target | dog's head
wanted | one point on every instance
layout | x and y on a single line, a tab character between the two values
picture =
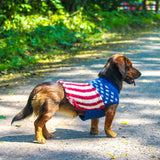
120	68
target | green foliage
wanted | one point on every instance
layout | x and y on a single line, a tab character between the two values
80	24
124	21
113	20
27	37
46	37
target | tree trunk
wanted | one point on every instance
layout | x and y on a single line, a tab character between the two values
144	5
115	5
157	6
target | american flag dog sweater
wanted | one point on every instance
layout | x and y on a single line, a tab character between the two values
92	96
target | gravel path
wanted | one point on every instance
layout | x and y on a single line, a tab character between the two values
137	120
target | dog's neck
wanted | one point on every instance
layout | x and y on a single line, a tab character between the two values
113	75
117	80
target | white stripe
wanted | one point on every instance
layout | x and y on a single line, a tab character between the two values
81	93
89	107
78	87
86	101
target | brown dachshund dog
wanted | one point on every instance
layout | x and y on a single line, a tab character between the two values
49	97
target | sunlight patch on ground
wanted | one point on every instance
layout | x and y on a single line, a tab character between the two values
122	41
142	101
150	38
135	121
14	98
151	73
153	38
152	112
148	81
150	59
153	47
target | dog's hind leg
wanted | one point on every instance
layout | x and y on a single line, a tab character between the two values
45	132
94	126
50	107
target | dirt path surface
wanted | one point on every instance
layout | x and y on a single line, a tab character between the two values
137	120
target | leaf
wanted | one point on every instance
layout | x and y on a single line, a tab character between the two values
2	117
113	157
124	122
17	125
124	141
144	80
150	149
125	154
132	51
11	93
123	107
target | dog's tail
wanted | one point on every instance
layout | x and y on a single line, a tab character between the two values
26	112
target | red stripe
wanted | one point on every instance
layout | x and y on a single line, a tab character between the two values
85	109
76	84
84	97
80	90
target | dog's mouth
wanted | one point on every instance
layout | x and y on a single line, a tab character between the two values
130	80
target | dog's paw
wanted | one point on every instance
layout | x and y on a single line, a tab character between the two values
94	131
110	133
40	140
48	135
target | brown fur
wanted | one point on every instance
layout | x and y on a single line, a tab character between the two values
48	98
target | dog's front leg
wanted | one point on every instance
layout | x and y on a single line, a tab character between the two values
110	113
94	126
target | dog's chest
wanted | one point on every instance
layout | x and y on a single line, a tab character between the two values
93	95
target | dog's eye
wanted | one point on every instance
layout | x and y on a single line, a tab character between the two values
128	68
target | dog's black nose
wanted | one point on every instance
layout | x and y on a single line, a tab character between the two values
139	74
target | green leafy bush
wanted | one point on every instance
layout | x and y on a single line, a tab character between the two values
25	37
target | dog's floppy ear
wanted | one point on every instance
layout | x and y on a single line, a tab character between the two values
107	68
121	63
103	72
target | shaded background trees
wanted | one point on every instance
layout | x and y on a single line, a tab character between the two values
9	8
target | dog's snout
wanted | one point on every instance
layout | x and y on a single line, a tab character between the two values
138	74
